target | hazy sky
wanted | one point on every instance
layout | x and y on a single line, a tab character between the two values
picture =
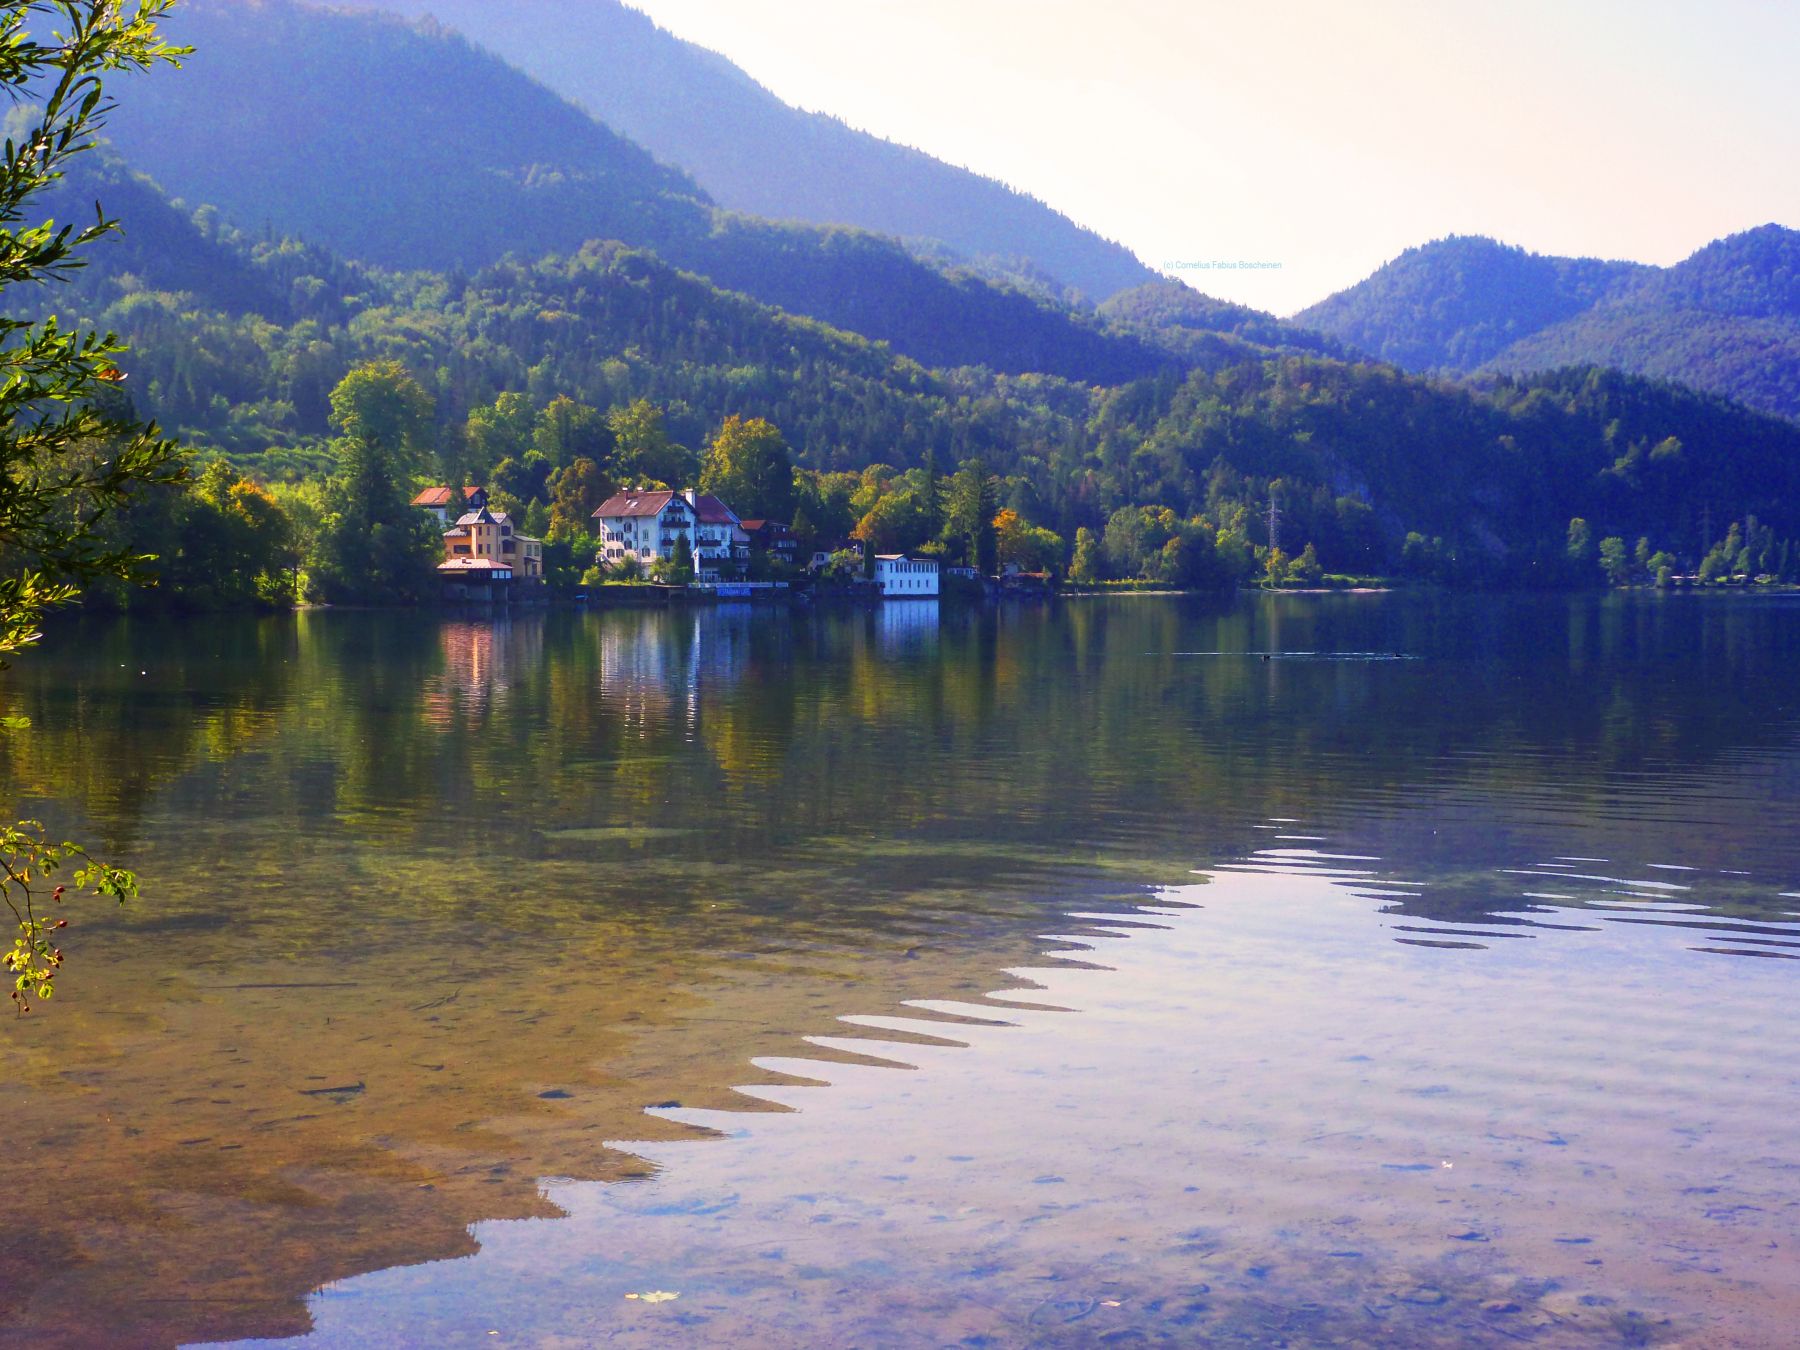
1322	135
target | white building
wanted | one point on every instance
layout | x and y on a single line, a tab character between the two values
645	526
905	578
721	547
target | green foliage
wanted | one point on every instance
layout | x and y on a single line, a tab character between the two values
1580	544
217	541
748	466
71	452
680	569
1457	303
499	432
568	430
380	406
1615	562
29	863
1726	320
1084	567
644	453
971	500
575	494
1028	547
373	545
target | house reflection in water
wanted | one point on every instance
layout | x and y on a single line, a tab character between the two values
481	659
907	630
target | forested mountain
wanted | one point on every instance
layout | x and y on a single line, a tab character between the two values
1211	332
1457	303
1726	321
406	146
239	342
474	283
693	108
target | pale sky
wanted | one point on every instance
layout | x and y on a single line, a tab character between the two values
1323	136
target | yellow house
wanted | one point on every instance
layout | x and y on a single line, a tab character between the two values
483	544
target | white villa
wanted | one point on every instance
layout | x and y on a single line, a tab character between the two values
646	526
721	546
900	576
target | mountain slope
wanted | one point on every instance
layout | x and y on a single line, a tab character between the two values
246	364
1459	302
1726	320
404	145
692	107
1212	332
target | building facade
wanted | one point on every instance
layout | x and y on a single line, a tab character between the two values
901	577
774	538
645	526
721	547
485	542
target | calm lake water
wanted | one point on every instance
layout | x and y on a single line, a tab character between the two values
1348	970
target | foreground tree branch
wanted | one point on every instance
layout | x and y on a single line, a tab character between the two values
71	450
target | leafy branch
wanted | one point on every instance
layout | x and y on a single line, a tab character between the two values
71	451
29	862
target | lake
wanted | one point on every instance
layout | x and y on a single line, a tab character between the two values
1305	970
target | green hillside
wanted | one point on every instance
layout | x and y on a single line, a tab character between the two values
753	153
1457	303
1377	469
1725	320
403	145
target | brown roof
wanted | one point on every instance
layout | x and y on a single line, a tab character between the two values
635	504
712	511
755	526
441	496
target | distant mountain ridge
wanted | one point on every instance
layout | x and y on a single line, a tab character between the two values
1725	321
754	153
403	144
1457	303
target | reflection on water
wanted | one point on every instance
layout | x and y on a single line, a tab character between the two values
1392	1006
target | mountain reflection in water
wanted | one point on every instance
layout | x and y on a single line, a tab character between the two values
438	910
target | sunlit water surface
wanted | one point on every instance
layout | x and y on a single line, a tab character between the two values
1304	970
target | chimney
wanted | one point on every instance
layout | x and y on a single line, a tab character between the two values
693	498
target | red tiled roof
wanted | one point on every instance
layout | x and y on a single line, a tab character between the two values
712	511
634	504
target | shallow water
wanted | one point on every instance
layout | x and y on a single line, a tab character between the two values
1069	976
